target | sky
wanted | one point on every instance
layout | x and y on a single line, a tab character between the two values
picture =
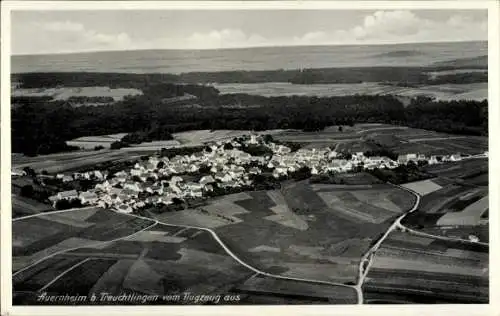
49	32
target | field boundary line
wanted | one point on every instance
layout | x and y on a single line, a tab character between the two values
85	246
370	254
54	212
418	233
63	273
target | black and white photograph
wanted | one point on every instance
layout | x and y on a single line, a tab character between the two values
239	155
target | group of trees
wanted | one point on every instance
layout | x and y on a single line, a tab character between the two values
401	174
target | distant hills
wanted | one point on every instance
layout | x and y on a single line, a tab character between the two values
401	54
471	62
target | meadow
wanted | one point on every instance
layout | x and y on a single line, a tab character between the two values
475	91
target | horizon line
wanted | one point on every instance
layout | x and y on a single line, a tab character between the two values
241	48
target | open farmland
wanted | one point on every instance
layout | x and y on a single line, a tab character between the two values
321	293
22	206
152	262
464	170
400	139
414	269
89	142
199	137
64	93
316	232
73	161
35	238
476	91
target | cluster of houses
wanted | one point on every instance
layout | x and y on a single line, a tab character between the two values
160	180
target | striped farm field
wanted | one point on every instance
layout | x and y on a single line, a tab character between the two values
422	269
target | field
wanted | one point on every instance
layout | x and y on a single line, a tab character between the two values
400	139
316	232
422	187
412	269
465	170
22	206
171	264
89	142
476	91
64	93
37	237
72	161
197	138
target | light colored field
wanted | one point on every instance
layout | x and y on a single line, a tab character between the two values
264	248
367	205
321	186
159	144
422	187
476	91
80	215
89	145
65	93
193	217
284	216
226	210
202	136
471	215
68	221
147	236
141	277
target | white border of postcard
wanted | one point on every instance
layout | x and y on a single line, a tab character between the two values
493	98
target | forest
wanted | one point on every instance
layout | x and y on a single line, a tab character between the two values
41	126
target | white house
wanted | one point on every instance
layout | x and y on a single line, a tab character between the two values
207	180
455	157
88	197
123	208
67	195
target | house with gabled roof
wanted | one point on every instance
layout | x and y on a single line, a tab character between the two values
206	180
88	197
67	195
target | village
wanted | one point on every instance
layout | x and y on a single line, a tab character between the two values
222	165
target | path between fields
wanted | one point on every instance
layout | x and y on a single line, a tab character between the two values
440	237
380	129
155	222
368	256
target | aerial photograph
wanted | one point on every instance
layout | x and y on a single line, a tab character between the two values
249	157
